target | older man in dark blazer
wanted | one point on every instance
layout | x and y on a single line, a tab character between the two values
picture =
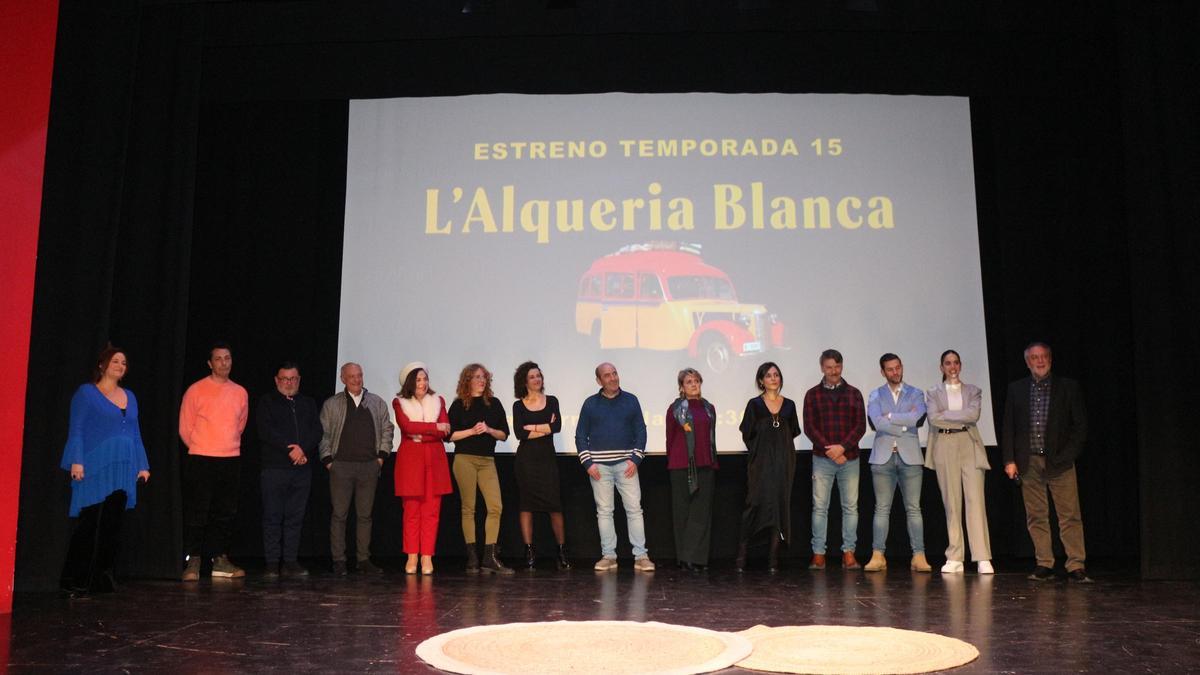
1045	426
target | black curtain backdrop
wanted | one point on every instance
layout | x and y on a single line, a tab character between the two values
195	185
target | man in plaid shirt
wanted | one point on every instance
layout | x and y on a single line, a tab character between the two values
835	420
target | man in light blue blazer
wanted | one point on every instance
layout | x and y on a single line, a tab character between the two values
896	411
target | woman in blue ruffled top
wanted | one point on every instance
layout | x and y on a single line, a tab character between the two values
106	459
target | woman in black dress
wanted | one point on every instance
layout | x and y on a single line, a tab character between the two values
769	428
535	421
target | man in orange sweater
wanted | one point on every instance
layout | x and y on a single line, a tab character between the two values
211	421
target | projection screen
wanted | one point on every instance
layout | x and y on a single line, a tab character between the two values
661	231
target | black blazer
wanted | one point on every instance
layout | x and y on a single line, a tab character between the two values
1066	426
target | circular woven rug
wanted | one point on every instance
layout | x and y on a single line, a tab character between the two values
852	649
583	647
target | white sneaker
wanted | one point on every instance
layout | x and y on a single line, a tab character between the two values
952	567
643	564
985	567
605	564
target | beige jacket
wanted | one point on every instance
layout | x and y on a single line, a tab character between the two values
941	417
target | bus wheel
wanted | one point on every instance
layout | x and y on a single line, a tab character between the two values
715	351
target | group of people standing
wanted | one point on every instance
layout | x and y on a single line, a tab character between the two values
352	434
1043	432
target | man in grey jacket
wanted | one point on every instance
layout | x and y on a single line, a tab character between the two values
356	438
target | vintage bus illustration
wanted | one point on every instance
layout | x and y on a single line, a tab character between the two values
662	296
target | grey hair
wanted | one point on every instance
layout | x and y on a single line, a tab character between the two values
1043	345
683	375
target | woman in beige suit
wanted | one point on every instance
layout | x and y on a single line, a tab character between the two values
957	454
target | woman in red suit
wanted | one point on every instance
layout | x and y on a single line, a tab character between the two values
422	472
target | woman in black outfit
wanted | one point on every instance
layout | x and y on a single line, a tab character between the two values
769	428
535	421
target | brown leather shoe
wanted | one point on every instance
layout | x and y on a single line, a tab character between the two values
818	562
849	562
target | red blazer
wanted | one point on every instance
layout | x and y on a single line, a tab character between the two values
415	455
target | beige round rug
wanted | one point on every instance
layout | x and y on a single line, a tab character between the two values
852	649
583	647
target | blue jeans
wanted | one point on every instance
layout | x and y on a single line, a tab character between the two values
824	473
885	477
613	475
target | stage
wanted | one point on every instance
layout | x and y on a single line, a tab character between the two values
360	623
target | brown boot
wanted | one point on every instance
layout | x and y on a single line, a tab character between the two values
849	562
920	564
877	563
192	571
491	563
818	562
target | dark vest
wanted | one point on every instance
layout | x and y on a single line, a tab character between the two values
358	442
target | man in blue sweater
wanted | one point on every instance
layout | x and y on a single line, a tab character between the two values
611	440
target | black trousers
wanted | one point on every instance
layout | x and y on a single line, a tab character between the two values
692	515
284	499
211	486
93	548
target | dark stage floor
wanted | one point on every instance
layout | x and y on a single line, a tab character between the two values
1120	624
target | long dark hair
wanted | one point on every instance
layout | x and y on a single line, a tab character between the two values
409	388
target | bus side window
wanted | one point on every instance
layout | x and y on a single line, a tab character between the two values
618	285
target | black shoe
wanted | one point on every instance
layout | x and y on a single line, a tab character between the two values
368	567
339	568
561	561
293	569
773	555
530	557
685	565
105	582
71	589
491	563
1042	574
1080	576
697	567
472	559
739	563
272	572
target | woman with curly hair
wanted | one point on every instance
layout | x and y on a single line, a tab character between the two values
535	421
477	421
